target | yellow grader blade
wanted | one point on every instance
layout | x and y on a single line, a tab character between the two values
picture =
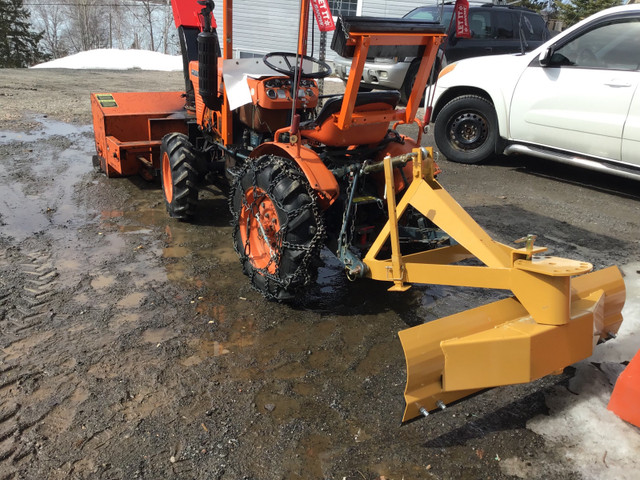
552	321
500	343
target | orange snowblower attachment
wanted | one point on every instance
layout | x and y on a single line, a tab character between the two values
552	321
129	128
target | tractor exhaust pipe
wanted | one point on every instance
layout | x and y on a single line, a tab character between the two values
208	54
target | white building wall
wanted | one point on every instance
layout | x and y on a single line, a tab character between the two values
260	28
264	27
389	8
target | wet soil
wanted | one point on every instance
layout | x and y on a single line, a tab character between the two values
133	346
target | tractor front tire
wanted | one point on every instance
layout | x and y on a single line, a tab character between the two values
179	176
278	230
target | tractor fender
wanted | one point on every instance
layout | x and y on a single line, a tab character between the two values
319	176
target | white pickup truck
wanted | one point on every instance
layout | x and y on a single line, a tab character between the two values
574	99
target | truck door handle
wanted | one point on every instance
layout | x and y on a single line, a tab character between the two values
617	84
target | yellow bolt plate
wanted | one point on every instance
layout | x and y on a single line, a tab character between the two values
553	266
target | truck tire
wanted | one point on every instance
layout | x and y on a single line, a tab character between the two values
278	230
179	175
410	78
466	129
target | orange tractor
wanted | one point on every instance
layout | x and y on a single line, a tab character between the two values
303	177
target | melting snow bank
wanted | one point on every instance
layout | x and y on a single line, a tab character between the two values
116	59
596	442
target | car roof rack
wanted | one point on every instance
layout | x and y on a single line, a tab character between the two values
491	5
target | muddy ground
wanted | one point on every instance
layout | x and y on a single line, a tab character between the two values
133	346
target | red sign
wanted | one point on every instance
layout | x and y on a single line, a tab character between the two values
323	15
462	19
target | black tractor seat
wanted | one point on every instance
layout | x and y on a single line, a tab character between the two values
324	129
333	105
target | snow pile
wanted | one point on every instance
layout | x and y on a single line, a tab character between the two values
116	59
597	442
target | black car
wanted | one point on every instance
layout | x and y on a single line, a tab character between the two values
495	29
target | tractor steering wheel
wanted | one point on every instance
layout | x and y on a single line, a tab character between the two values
285	63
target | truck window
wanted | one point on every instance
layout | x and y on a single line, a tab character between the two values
431	14
480	24
503	25
611	46
532	26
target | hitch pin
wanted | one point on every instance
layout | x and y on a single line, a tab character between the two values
528	244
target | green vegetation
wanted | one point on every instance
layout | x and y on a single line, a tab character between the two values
18	44
576	10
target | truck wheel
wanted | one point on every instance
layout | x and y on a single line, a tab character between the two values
466	129
278	230
179	175
410	79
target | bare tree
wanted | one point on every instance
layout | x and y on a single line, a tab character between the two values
147	14
167	27
71	26
120	26
87	29
51	19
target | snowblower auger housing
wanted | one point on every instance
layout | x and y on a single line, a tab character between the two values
302	178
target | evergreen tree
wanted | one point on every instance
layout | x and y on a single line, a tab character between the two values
535	5
576	10
18	45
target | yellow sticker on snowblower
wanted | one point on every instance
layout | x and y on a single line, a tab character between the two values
106	100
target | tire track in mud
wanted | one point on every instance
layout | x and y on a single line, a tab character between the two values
27	287
37	292
26	290
5	288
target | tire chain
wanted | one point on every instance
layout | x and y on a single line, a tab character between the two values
303	276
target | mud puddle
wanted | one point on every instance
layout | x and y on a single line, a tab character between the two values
46	128
38	190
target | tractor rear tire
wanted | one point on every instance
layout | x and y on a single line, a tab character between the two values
278	229
179	175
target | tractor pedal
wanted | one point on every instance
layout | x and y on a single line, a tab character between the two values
366	199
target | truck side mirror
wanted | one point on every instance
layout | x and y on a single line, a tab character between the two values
545	57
